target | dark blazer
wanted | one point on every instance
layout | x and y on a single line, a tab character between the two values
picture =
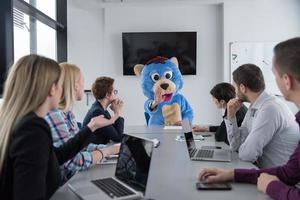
103	135
221	132
31	165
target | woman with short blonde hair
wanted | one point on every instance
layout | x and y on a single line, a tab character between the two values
64	125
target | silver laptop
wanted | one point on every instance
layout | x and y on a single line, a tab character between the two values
131	174
205	154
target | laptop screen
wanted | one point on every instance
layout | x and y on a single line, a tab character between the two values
134	162
189	139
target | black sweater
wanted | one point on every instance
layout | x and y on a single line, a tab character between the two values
221	132
103	135
31	167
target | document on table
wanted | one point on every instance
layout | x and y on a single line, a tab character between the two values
111	159
173	127
180	138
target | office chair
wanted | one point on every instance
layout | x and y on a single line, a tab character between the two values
79	124
147	117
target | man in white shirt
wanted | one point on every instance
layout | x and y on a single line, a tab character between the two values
269	133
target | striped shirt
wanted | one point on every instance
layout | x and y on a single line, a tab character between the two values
63	127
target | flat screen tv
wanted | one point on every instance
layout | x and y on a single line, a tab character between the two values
140	47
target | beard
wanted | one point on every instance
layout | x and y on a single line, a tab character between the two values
242	97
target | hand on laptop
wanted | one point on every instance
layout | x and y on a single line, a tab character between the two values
214	175
111	150
197	128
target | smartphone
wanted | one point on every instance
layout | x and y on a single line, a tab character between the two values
213	186
211	147
112	157
206	135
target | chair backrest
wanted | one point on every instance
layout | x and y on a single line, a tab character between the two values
79	124
147	117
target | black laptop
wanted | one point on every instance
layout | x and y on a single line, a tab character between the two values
131	173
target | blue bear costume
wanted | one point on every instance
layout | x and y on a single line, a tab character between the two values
162	76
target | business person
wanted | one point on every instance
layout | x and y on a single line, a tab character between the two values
221	94
29	163
64	125
269	133
278	182
106	96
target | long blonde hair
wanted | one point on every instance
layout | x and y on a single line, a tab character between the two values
72	74
26	89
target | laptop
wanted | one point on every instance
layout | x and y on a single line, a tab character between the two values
131	174
205	154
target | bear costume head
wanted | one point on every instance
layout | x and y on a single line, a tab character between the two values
160	74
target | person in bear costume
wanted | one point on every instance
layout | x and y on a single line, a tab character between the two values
161	81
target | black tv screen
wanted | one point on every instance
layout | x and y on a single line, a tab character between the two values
140	47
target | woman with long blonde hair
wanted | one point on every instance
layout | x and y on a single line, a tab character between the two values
64	125
29	164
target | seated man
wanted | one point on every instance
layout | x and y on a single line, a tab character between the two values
278	182
106	96
269	133
221	94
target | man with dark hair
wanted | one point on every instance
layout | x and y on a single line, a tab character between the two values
221	94
106	96
277	182
251	76
269	133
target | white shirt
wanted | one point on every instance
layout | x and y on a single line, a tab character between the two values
269	133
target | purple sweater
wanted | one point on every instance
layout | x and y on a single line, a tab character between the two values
288	174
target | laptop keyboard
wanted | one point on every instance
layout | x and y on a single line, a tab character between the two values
193	151
205	153
112	188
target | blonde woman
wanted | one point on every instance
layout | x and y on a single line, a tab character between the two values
64	125
29	164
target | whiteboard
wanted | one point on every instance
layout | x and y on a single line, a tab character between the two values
258	53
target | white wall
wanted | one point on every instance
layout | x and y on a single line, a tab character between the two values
85	43
259	21
95	44
94	41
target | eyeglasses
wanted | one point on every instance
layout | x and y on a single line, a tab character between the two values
115	92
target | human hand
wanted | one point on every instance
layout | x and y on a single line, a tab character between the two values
233	106
197	128
116	106
111	150
99	122
214	175
157	99
263	181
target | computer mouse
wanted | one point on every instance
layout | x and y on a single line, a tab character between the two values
156	142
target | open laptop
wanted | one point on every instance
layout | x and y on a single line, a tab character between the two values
131	174
220	155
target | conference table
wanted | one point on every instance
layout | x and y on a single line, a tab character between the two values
172	174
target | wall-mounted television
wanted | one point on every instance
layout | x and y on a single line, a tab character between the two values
140	47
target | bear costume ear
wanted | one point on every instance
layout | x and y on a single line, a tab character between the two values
175	61
138	69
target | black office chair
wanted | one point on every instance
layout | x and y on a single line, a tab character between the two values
147	117
79	124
